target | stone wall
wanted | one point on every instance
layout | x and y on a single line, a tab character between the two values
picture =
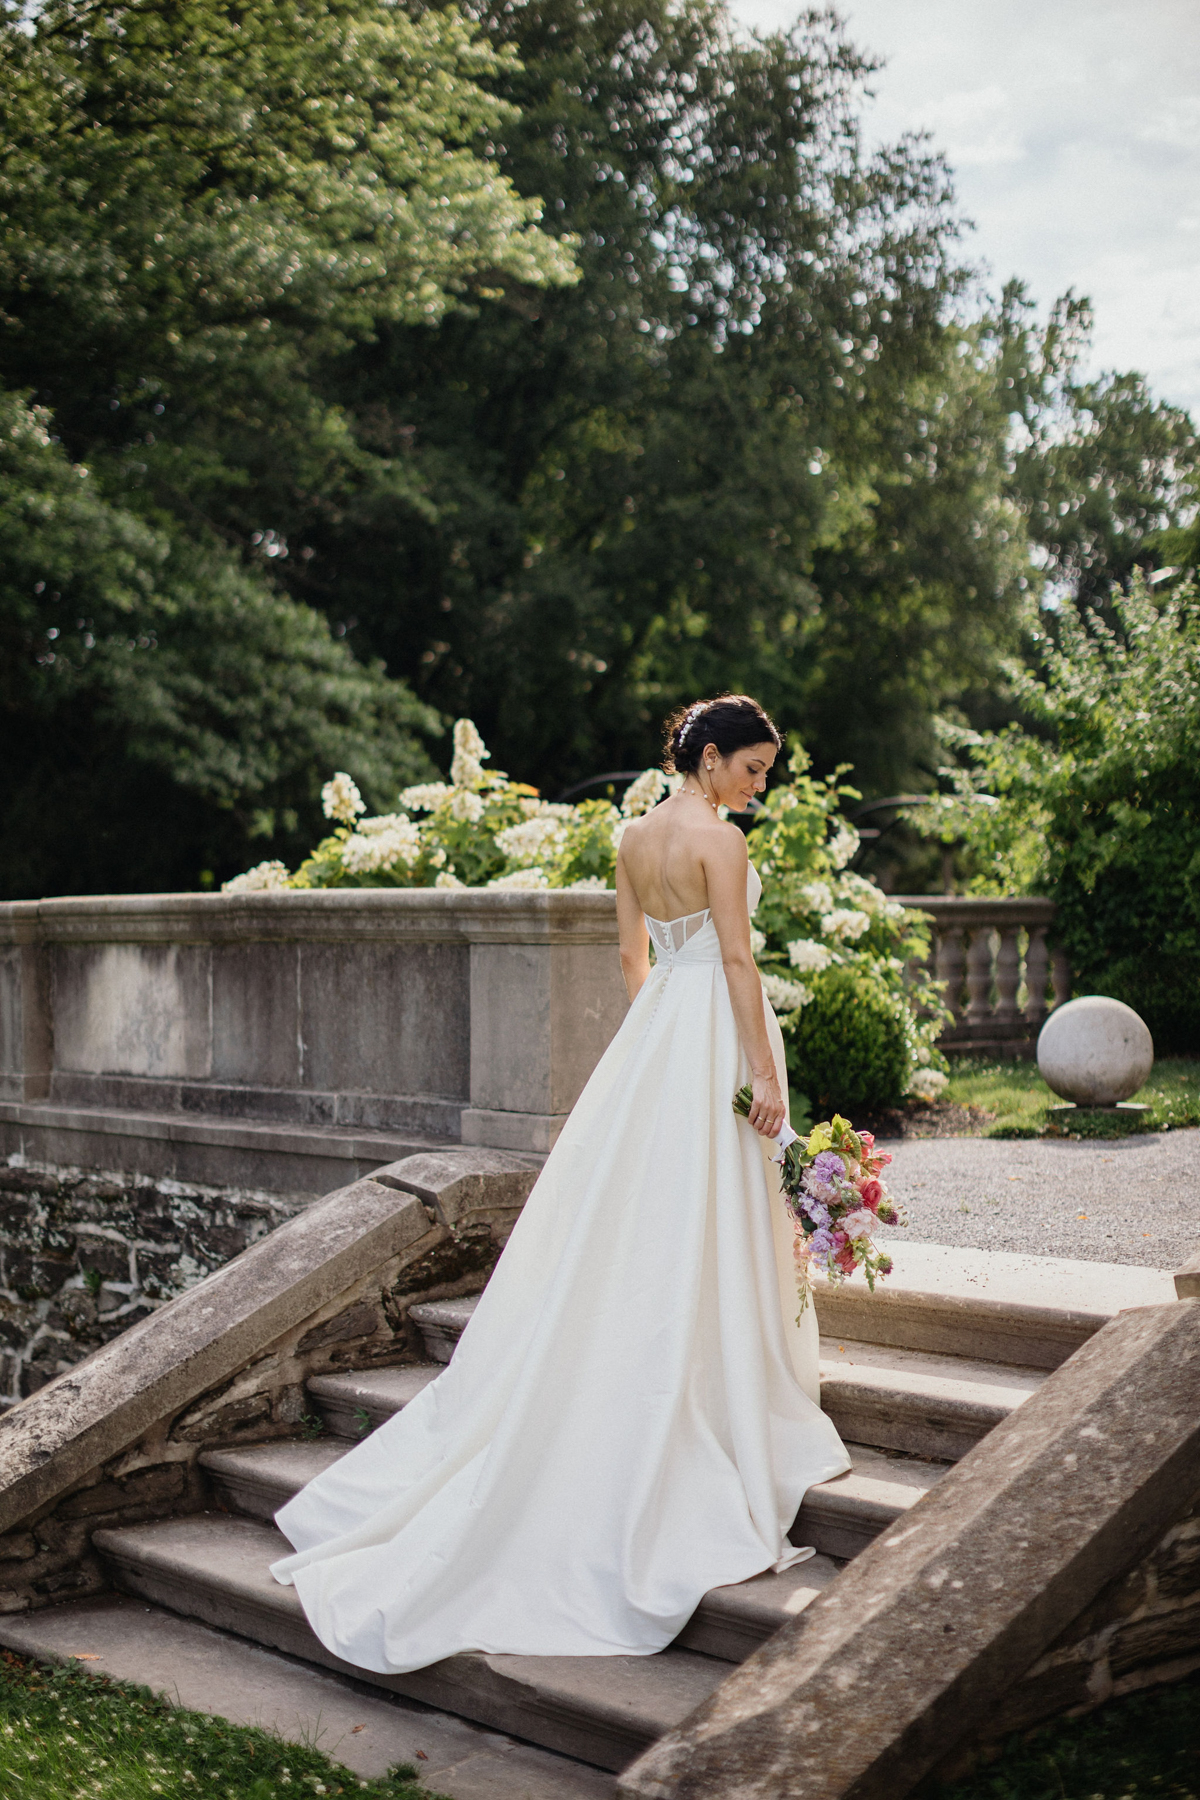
86	1253
210	1037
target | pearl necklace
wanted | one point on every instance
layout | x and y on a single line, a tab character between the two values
703	796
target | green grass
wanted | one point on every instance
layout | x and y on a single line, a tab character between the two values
1020	1100
1144	1747
65	1735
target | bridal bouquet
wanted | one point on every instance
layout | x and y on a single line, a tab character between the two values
832	1183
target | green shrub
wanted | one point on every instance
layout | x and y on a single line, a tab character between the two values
849	1047
1097	806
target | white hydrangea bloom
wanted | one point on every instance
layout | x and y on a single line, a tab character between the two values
785	996
367	853
545	809
531	841
817	896
522	878
470	754
619	830
263	878
927	1084
845	923
465	806
808	956
758	942
862	893
588	884
341	800
643	793
448	879
382	822
425	796
842	845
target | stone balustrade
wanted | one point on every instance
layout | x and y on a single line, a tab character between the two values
290	1041
996	963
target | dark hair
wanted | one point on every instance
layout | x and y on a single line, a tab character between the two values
731	722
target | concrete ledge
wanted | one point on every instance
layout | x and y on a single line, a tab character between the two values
429	1115
407	915
910	1650
1187	1279
295	1159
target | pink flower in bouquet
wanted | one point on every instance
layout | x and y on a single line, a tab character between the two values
845	1260
871	1192
867	1140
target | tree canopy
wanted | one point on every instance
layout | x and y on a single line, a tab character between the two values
542	363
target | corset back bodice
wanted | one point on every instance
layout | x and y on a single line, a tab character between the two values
692	938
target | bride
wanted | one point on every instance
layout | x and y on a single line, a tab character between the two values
632	1415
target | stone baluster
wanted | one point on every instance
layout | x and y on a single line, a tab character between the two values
1061	975
949	965
1037	969
1008	975
979	976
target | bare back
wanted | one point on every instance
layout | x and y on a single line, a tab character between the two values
665	855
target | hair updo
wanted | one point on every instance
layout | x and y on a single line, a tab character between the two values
731	722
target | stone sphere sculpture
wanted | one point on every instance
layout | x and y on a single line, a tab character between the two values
1095	1051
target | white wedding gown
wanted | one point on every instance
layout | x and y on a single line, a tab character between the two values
631	1417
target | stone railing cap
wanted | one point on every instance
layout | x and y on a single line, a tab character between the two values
403	915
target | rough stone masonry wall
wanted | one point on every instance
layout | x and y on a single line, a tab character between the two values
84	1254
227	1361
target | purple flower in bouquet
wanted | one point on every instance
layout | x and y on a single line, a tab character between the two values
827	1168
817	1210
823	1243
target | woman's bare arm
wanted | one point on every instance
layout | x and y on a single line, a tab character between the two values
634	938
725	859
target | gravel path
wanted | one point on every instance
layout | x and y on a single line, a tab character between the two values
1132	1200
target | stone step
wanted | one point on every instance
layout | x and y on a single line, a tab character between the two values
442	1323
367	1731
600	1709
257	1479
355	1403
988	1305
983	1305
842	1516
730	1622
930	1406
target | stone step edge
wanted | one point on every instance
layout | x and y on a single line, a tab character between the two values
193	1666
470	1684
729	1623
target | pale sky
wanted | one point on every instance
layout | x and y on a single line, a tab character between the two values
1073	129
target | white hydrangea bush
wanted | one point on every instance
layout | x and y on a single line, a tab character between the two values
480	829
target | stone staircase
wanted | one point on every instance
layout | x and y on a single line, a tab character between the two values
913	1383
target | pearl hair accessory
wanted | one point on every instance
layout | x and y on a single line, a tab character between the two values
701	706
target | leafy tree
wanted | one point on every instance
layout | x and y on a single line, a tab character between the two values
1106	476
159	703
1098	804
202	207
689	470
